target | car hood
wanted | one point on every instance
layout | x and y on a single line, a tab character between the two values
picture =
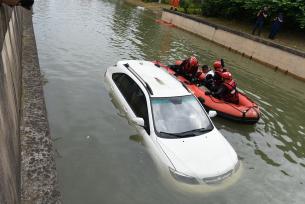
203	156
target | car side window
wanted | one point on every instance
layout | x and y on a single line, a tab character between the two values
133	95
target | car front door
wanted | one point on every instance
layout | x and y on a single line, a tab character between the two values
134	97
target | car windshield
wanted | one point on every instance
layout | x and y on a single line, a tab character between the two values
180	116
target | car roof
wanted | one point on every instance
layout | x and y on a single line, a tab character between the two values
160	82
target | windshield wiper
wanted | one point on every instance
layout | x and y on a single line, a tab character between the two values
172	134
192	132
187	133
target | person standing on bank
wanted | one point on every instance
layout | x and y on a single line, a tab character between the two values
276	25
261	17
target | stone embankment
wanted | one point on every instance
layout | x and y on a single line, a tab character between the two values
27	165
277	56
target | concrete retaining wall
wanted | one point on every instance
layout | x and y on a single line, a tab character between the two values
27	165
10	97
38	170
277	56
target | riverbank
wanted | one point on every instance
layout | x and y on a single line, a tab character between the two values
27	163
294	40
38	169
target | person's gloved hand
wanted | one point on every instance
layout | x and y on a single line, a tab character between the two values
193	80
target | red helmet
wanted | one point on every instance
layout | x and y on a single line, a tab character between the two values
217	65
226	75
193	61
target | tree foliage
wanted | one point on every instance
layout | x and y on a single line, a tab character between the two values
293	10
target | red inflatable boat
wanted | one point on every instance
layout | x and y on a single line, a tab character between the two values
246	111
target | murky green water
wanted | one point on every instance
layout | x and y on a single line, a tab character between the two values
99	156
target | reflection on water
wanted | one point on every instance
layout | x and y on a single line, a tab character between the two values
78	39
137	138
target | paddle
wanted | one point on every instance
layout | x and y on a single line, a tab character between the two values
222	63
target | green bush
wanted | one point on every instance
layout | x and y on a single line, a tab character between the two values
194	11
185	4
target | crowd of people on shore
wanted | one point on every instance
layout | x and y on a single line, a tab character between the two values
218	81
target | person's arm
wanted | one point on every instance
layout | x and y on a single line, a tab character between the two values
184	62
257	15
217	76
220	91
179	68
264	13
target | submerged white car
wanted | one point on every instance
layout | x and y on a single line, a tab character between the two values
173	122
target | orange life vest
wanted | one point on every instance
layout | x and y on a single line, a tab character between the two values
175	3
232	94
188	69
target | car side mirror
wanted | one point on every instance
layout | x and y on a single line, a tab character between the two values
212	113
138	121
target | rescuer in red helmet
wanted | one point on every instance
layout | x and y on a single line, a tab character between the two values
201	75
217	65
219	69
213	78
188	68
227	91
